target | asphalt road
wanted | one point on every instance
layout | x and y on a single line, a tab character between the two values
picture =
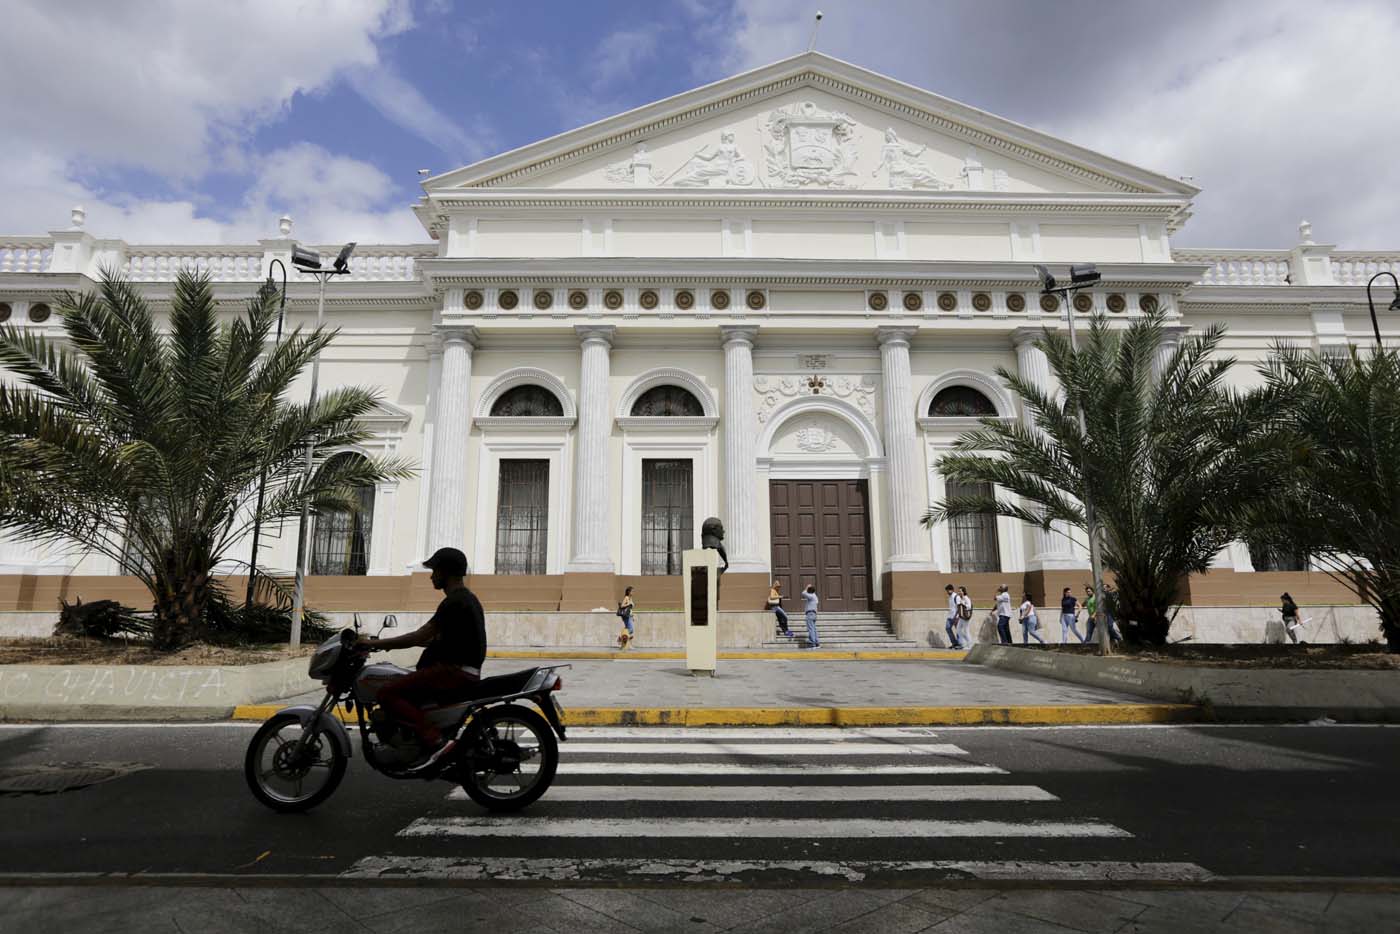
809	806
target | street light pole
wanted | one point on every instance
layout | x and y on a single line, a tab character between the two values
310	263
1085	276
262	480
1394	303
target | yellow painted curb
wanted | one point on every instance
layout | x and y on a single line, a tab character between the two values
813	655
1032	715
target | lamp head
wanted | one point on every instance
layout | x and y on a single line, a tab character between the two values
342	261
1395	302
304	259
1047	281
1084	274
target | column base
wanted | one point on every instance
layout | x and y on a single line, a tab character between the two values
747	566
1054	562
909	563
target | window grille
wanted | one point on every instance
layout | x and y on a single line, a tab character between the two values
973	539
667	401
527	402
960	402
522	517
339	539
1265	558
667	516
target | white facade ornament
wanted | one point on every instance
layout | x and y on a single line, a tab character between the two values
1305	232
978	177
721	166
284	225
815	439
77	217
900	160
805	145
773	390
635	169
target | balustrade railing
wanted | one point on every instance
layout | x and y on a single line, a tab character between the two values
382	263
28	254
161	264
1357	268
1227	267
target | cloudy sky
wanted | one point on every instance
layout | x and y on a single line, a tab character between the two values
182	121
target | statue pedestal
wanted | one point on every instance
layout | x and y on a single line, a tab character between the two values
700	600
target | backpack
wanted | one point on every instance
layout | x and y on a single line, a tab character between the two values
964	610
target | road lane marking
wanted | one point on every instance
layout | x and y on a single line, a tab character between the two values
701	733
750	827
534	869
777	793
703	769
780	750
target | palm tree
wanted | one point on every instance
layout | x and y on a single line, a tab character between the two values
1341	418
1170	453
146	444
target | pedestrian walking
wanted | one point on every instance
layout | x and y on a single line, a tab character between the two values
1029	624
1003	611
1069	609
775	603
1091	605
951	624
965	639
624	610
1289	611
809	610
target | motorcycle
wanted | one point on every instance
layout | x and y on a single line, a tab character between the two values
505	758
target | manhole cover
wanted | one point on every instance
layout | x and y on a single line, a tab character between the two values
54	779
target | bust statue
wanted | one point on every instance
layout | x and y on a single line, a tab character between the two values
712	536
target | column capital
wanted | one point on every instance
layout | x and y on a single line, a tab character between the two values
590	333
1022	337
895	334
445	334
738	333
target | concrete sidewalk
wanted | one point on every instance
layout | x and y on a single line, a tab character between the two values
151	909
780	691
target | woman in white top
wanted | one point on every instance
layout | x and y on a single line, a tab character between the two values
1003	612
1029	624
964	618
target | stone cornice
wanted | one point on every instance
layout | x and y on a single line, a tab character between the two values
799	199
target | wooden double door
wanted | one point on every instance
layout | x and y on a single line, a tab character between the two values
821	535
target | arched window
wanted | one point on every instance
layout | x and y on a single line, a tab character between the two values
1265	558
340	540
960	402
668	401
527	401
973	539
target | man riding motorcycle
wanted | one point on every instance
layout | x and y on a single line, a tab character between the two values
454	641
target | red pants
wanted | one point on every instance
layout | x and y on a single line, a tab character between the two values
403	697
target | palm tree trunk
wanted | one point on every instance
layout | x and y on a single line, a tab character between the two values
181	601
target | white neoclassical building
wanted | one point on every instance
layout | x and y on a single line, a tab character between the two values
776	299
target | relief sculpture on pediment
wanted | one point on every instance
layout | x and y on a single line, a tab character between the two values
805	145
901	161
635	170
721	166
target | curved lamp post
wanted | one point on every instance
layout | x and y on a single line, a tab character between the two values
1394	303
262	481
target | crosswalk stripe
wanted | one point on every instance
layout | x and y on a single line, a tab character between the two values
698	769
750	732
774	793
552	869
765	749
749	827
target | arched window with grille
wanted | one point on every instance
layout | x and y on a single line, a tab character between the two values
339	539
529	401
973	539
668	401
961	402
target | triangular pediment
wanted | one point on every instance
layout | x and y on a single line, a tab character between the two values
810	122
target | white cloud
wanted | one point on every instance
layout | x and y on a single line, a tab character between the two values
399	101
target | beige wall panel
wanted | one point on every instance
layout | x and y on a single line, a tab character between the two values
809	240
1089	243
666	237
534	237
950	241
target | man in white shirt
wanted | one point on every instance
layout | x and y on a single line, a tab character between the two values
809	609
951	626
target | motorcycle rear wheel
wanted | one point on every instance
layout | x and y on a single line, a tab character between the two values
526	755
282	783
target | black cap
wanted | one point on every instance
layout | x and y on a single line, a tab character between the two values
449	561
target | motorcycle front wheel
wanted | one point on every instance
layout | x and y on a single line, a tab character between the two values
285	778
513	758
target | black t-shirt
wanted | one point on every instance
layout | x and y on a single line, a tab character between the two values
1067	604
461	632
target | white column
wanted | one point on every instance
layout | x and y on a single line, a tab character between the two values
1048	549
448	482
901	451
1171	340
592	487
740	437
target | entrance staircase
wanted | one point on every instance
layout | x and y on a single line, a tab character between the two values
843	630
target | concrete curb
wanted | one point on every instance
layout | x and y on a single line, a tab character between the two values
801	655
1251	695
1038	715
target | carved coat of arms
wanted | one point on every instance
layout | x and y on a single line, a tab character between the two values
805	145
